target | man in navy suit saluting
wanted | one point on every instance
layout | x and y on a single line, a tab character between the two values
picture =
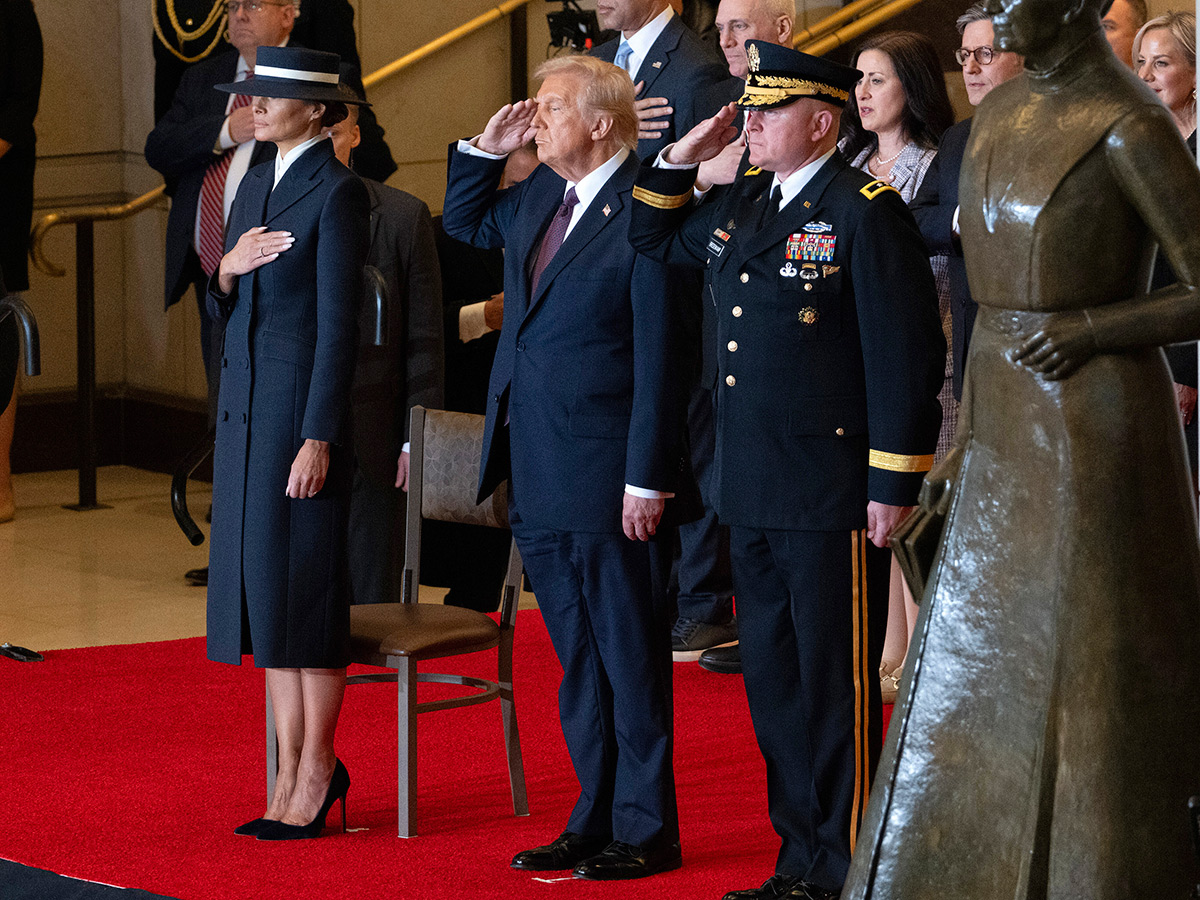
584	420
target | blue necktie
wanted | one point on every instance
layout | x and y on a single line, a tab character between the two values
622	58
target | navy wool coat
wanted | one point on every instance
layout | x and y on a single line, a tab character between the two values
278	581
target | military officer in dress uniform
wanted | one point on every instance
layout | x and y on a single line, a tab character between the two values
830	360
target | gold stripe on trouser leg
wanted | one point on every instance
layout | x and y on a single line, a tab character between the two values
862	756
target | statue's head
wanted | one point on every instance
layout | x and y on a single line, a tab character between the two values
1029	26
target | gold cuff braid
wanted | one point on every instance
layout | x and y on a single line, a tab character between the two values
660	201
897	462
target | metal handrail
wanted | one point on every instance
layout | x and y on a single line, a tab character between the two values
492	15
873	13
82	214
832	22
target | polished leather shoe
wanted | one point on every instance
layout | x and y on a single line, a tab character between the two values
620	860
565	852
197	577
806	890
776	887
726	660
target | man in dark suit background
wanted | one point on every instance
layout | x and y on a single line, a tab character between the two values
936	205
668	63
390	380
705	628
584	420
182	40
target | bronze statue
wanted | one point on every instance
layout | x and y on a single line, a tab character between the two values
1048	737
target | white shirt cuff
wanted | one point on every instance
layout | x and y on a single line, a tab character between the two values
471	324
660	161
225	141
470	149
647	494
405	448
954	222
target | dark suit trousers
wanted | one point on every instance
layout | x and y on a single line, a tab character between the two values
705	586
812	613
612	638
375	540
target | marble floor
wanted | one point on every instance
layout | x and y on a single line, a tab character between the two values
107	576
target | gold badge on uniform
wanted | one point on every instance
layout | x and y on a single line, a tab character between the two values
830	270
809	316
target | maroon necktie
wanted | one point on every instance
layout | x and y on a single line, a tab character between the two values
212	204
553	239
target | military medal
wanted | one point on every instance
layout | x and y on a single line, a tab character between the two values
788	270
818	227
809	316
809	271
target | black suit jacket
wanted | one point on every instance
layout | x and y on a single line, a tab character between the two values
180	148
586	366
677	67
407	371
933	208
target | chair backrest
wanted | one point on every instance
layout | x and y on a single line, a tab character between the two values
443	481
446	447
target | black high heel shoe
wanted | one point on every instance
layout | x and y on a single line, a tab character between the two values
255	826
339	784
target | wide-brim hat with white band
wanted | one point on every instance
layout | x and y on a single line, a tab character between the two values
779	75
295	73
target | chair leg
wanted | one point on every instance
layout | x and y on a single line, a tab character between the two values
272	748
406	725
508	716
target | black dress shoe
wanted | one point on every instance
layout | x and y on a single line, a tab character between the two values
197	577
620	860
726	660
565	852
776	887
806	890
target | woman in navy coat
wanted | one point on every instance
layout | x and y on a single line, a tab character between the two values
289	287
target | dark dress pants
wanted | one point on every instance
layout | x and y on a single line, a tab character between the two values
812	614
375	540
610	631
704	585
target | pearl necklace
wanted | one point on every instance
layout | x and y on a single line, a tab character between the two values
884	162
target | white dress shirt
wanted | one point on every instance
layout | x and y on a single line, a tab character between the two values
643	39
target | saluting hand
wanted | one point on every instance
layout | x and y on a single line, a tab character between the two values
511	127
722	168
706	140
255	248
308	470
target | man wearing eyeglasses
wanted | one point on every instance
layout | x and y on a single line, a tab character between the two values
936	205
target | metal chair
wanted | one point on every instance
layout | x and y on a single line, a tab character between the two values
444	455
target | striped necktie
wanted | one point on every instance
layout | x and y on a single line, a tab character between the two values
212	203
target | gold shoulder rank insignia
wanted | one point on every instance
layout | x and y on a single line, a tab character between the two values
753	170
660	201
875	188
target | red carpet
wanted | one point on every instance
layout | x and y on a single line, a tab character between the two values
131	765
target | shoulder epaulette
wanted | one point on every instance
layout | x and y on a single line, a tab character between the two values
875	188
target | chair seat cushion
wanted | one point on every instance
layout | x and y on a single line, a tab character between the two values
418	631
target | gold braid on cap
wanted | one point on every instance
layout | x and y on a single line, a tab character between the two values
762	89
